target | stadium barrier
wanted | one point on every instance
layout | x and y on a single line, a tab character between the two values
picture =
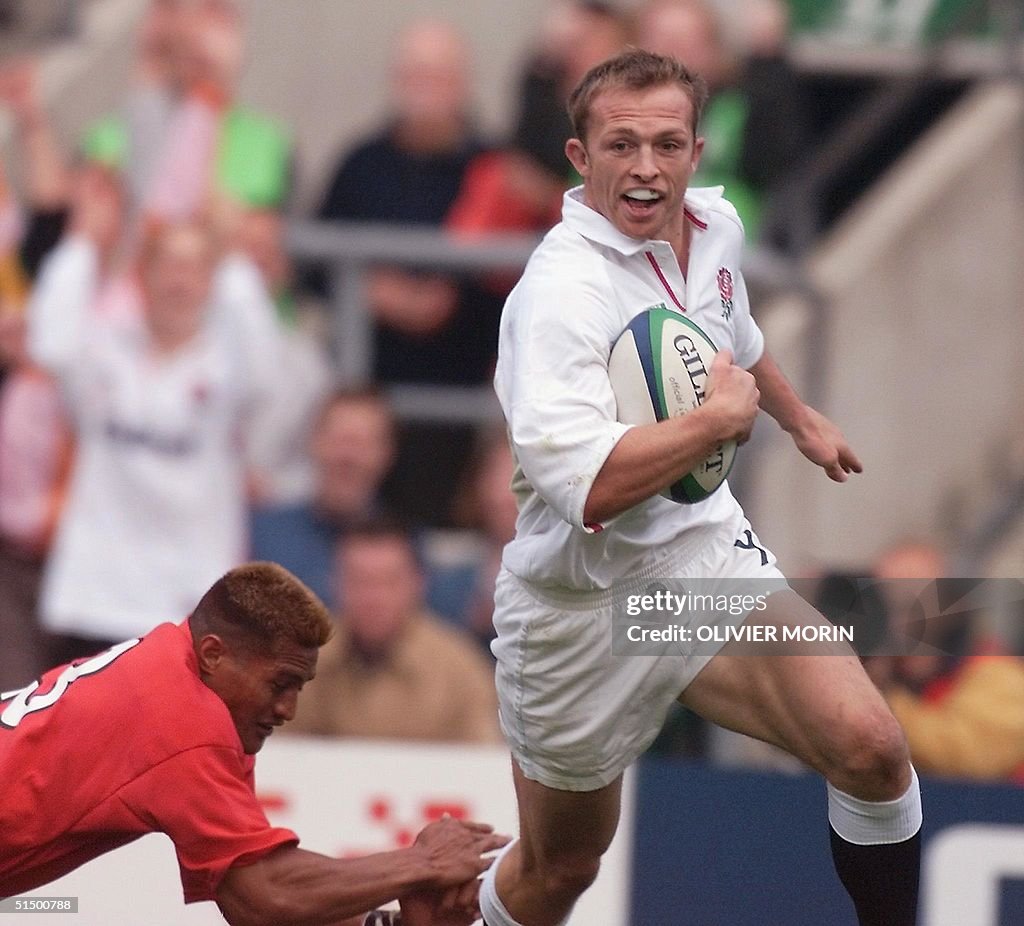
698	845
342	798
727	847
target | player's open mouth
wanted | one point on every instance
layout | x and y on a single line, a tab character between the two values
265	729
641	200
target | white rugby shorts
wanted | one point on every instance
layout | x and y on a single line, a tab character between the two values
577	704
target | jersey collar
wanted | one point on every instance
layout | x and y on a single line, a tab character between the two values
580	218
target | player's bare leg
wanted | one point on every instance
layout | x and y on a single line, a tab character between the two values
823	709
562	836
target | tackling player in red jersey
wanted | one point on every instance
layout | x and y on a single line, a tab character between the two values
159	735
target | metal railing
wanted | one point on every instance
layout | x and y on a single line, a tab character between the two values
350	249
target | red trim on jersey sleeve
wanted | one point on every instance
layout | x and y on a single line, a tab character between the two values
203	799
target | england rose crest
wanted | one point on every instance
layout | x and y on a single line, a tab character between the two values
725	290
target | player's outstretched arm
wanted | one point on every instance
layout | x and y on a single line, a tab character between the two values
293	887
815	436
650	457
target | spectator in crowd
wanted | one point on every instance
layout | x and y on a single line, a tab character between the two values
352	450
35	442
29	459
35	454
410	173
574	36
393	669
210	159
46	183
190	53
462	589
957	695
182	145
160	390
282	471
35	449
755	125
428	327
520	187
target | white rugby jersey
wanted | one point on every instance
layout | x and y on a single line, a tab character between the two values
156	507
585	282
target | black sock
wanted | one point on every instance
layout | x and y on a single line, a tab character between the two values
881	880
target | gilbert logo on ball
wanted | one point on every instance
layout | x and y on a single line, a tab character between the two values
658	369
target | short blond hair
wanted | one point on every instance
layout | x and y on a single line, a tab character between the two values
260	605
634	69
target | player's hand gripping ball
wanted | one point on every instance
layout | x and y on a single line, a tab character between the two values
659	369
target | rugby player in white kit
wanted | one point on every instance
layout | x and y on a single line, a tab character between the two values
593	529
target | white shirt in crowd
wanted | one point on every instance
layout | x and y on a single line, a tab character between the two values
156	508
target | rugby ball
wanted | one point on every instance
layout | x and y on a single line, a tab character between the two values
658	369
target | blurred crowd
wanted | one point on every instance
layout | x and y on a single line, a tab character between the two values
169	406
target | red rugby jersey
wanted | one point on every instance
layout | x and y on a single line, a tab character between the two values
129	742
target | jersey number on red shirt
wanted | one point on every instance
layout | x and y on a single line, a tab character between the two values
24	702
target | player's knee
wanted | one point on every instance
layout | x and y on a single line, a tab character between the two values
570	875
875	764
